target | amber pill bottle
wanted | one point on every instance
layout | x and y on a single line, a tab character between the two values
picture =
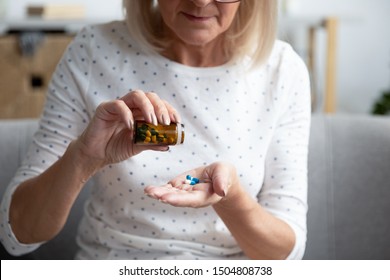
149	134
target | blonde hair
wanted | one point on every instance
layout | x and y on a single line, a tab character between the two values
252	33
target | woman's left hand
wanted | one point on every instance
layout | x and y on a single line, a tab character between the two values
216	182
259	234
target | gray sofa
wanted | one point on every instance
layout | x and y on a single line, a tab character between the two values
349	188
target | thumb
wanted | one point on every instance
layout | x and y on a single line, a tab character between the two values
221	178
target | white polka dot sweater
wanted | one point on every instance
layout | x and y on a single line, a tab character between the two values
257	119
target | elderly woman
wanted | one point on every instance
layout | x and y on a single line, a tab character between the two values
244	99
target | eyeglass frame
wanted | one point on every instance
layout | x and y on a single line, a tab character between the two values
228	1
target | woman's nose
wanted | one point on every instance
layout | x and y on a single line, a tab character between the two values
202	3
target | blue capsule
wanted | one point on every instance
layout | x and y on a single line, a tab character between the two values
191	180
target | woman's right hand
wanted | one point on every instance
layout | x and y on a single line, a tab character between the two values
109	136
40	206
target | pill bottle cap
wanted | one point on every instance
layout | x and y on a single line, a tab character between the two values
180	133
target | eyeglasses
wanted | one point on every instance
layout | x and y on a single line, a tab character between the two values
226	1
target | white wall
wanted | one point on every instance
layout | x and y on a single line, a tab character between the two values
363	50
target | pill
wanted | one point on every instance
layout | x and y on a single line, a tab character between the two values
149	134
191	180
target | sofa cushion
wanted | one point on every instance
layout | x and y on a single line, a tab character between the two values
349	188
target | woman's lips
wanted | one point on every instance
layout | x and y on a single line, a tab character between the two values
196	18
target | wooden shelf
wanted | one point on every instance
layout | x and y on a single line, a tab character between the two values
33	24
24	79
312	25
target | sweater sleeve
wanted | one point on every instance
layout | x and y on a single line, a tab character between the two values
284	192
64	118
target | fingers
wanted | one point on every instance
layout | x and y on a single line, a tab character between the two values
151	107
223	176
160	114
112	110
220	174
193	199
212	187
178	197
173	114
138	100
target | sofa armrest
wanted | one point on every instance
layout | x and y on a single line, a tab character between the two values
16	136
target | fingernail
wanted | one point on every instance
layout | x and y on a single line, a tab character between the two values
154	119
151	119
166	121
162	148
131	125
177	119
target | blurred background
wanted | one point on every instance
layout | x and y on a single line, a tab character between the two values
345	43
352	42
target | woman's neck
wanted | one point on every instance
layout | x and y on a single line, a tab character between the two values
209	55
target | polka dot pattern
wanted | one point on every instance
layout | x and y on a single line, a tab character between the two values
256	119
